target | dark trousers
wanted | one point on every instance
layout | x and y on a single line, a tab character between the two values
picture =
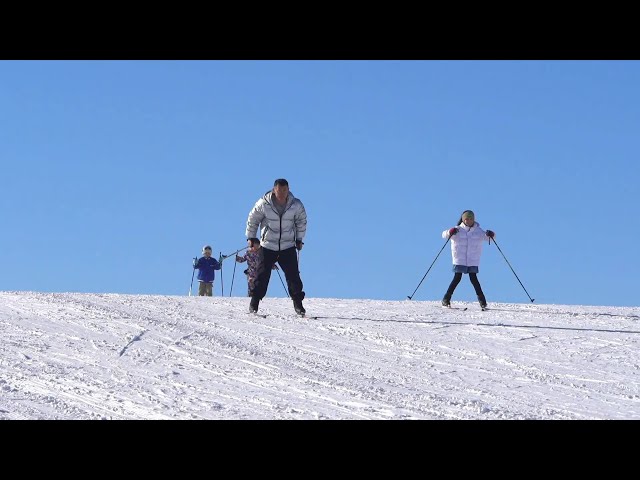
456	280
288	261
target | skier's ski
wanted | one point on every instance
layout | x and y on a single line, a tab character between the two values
298	315
463	308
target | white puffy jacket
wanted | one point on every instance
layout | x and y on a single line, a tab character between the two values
466	245
276	232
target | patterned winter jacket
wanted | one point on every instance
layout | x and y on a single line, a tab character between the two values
277	232
254	260
466	245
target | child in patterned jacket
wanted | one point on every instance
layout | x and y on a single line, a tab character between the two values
253	257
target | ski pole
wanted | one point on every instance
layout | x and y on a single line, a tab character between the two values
505	259
192	275
425	275
233	276
221	278
285	288
236	252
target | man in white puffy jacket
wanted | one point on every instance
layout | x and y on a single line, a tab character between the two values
466	248
282	221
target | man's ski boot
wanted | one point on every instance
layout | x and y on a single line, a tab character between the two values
297	306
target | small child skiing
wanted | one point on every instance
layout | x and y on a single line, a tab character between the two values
254	260
206	266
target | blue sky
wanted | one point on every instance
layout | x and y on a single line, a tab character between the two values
116	173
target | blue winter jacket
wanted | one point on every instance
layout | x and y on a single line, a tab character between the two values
206	267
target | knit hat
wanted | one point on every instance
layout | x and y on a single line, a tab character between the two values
468	214
206	247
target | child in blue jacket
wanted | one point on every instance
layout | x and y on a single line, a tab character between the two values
206	275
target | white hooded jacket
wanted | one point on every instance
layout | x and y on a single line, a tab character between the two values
466	245
277	232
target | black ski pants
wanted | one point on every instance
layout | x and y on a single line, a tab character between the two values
473	277
288	261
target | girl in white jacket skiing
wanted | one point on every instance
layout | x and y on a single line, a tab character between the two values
466	248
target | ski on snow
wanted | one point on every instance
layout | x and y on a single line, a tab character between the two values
297	315
464	308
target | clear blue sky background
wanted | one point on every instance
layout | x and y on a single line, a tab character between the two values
116	173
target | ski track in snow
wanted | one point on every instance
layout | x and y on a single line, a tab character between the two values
111	356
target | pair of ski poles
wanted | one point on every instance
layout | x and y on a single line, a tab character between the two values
234	272
410	297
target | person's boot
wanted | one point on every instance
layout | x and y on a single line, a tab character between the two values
482	301
297	306
253	306
446	301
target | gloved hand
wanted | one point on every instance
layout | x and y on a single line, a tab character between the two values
453	231
253	241
299	244
221	258
490	234
195	262
238	258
